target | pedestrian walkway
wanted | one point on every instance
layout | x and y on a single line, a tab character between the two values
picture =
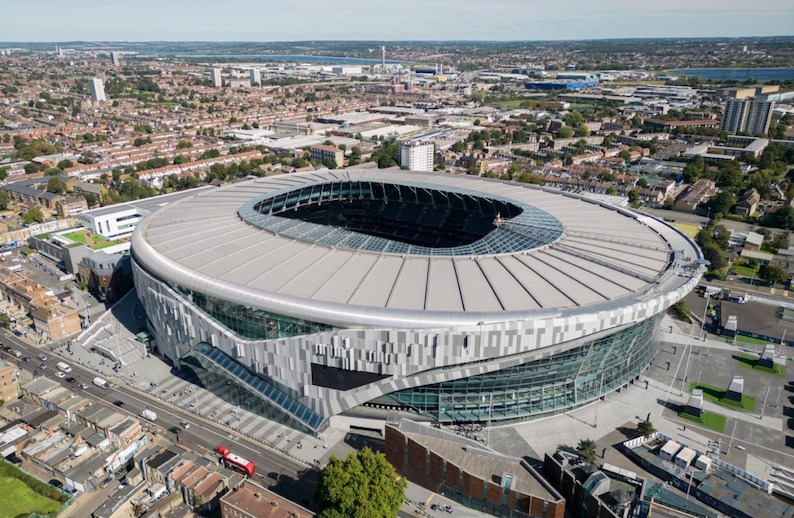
191	398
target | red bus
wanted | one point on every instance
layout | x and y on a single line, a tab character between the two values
240	464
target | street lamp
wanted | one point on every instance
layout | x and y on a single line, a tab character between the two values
705	311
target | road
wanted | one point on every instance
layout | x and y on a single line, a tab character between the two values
297	481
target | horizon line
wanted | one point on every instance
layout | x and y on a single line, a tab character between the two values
409	40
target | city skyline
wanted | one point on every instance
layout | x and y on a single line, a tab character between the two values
500	20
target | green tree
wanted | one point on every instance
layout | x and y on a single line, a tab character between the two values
781	218
33	215
362	485
713	254
586	450
65	164
183	144
5	321
773	274
625	155
90	199
56	185
722	202
645	428
210	153
565	132
4	200
682	311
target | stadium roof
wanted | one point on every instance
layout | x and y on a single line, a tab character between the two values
606	257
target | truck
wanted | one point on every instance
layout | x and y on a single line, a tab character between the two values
148	414
63	367
99	382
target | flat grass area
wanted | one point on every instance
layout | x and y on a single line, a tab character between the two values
708	420
687	228
717	395
94	242
744	270
76	236
750	340
748	361
17	499
515	103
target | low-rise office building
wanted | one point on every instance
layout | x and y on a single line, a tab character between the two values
464	470
325	153
250	500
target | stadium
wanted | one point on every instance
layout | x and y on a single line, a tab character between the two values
460	299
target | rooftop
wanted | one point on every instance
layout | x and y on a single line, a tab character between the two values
558	251
255	500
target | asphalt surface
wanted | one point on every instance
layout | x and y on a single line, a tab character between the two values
296	481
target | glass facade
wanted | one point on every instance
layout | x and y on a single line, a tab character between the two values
409	218
210	368
249	322
548	386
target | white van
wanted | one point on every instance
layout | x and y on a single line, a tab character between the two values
99	382
63	367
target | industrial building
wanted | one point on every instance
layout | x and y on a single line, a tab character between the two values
559	85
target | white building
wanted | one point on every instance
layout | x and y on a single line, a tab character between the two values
113	222
118	221
417	155
215	77
751	115
256	77
115	59
97	89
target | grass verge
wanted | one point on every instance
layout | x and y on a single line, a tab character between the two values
717	395
708	420
18	499
747	361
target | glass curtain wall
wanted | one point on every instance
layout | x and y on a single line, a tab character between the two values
210	368
548	386
249	322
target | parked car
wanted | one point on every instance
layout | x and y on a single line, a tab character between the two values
106	482
122	483
56	483
7	349
119	403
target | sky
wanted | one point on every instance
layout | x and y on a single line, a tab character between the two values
300	20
